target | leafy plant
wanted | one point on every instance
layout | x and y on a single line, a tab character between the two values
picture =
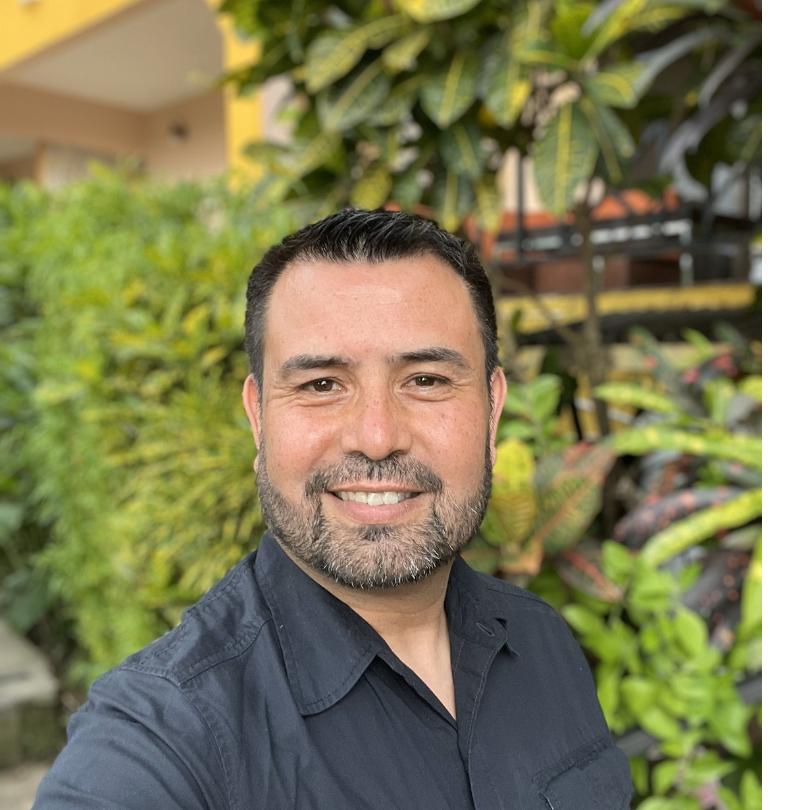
125	429
418	103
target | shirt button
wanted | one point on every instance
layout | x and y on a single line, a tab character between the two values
484	629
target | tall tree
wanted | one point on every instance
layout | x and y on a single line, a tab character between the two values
418	101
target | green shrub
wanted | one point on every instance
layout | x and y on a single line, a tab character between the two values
126	480
127	425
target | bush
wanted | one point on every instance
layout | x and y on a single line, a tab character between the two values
127	488
125	436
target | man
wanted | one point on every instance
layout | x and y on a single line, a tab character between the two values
355	661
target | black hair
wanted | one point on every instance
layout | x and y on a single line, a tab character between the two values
373	237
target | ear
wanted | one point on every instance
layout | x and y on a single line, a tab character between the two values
497	398
253	407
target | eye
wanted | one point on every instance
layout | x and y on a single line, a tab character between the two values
428	381
322	386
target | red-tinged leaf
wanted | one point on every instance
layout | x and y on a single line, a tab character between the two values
581	569
654	515
525	559
567	505
480	556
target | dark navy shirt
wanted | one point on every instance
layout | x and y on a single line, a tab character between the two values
272	693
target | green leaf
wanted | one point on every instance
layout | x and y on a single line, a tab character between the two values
488	202
659	723
650	590
511	512
704	346
514	466
582	619
617	562
401	55
734	447
729	721
566	28
640	772
615	86
691	632
750	791
639	693
663	777
451	200
446	96
506	82
637	396
701	526
717	396
461	150
380	32
607	691
564	158
332	54
615	141
629	17
751	386
372	189
353	100
398	103
425	11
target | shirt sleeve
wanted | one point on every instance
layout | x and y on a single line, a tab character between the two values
137	744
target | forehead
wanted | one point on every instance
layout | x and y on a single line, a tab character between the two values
361	308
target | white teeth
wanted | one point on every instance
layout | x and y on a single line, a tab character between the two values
376	498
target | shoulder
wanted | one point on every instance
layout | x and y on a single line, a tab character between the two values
222	625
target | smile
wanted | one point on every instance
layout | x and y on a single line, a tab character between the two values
375	498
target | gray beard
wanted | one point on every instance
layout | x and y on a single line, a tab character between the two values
378	555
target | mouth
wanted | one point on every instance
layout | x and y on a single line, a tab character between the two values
387	497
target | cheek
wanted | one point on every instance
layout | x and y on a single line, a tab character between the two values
294	445
456	443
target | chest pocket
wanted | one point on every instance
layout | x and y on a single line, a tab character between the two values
599	781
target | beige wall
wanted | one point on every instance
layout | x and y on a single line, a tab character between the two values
26	112
181	141
187	140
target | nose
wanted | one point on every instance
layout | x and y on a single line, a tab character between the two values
377	426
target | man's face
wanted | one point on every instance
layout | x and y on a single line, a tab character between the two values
375	426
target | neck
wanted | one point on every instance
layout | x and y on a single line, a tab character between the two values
397	614
411	620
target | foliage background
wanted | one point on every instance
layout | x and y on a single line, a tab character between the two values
126	481
124	439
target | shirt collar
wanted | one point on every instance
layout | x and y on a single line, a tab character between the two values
326	646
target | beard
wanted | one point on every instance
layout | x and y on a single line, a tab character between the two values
373	556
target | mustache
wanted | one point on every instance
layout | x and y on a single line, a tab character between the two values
404	471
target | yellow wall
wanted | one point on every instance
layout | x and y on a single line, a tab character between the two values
242	114
28	28
216	142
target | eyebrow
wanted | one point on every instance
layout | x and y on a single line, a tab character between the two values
309	362
433	354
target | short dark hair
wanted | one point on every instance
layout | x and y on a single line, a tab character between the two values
373	237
